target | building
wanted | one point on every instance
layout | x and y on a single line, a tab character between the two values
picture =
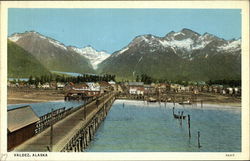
21	125
149	90
136	88
60	85
46	85
93	86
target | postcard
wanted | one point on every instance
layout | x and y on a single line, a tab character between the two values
125	80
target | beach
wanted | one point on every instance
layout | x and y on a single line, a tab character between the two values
19	95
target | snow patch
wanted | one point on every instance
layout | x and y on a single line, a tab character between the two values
184	44
15	37
57	44
122	51
178	33
94	56
231	46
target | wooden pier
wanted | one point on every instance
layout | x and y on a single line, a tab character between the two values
72	133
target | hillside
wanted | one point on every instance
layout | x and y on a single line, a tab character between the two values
184	55
51	53
21	64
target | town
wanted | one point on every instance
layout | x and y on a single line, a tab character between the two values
171	92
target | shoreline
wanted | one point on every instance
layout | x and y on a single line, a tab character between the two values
26	96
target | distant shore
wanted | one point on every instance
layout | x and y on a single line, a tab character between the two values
19	96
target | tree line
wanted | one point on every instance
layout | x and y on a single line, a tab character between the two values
62	78
225	82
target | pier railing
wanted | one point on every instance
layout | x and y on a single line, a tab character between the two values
85	134
54	116
58	114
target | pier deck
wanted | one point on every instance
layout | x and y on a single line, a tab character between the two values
63	130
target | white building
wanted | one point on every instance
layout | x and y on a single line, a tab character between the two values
93	86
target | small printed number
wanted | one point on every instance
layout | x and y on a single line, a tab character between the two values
229	155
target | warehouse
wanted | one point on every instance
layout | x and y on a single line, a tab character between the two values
21	125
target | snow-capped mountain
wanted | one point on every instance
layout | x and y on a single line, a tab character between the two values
178	55
183	55
94	56
46	49
15	37
52	54
184	41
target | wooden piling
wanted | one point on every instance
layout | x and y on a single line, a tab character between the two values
189	132
181	117
199	144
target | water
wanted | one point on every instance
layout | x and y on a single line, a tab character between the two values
142	127
20	79
45	107
72	73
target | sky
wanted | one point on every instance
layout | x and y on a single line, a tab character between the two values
112	29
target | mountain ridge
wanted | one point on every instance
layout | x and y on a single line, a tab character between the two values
185	54
88	52
177	55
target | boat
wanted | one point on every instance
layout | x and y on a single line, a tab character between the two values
151	99
179	117
185	103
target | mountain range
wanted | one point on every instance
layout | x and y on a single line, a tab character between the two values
183	55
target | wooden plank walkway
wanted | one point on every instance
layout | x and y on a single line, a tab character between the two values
63	130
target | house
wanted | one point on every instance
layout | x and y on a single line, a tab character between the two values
148	89
184	89
93	86
223	91
161	88
136	88
60	85
236	90
174	87
46	85
216	88
230	90
21	125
